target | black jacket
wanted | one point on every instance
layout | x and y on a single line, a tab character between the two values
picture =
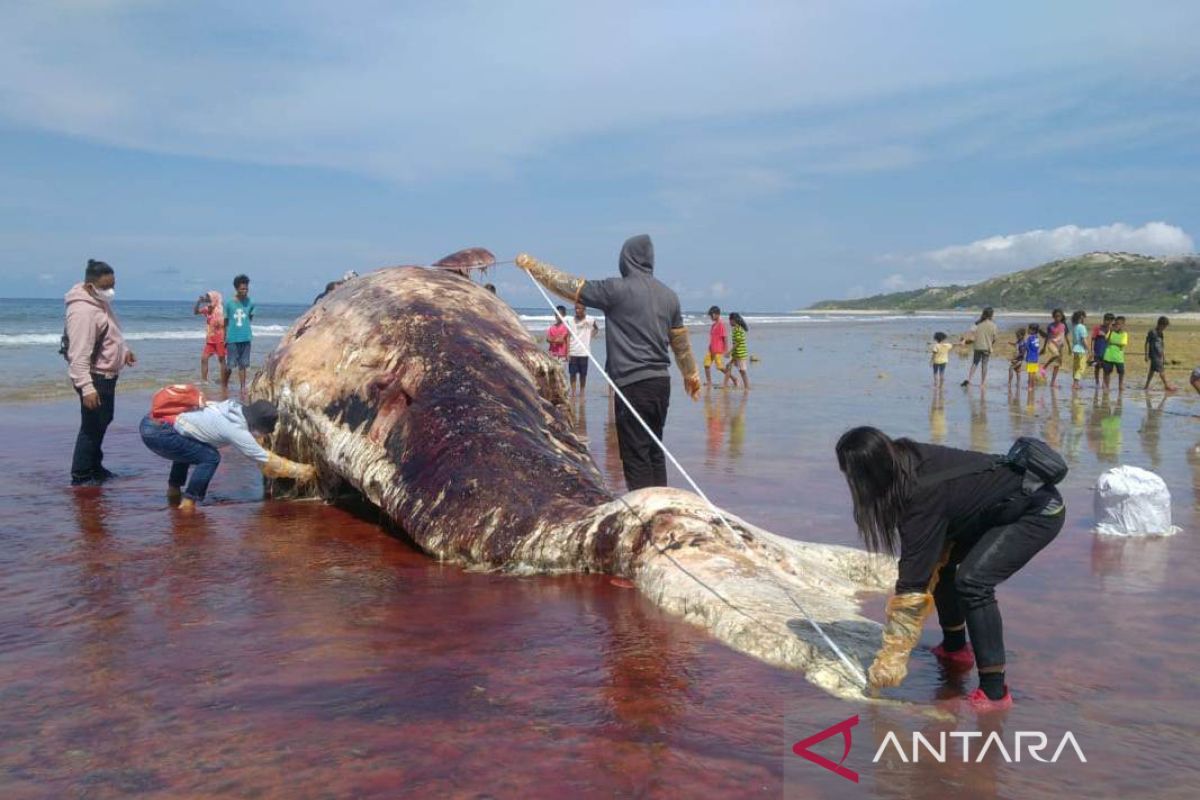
957	511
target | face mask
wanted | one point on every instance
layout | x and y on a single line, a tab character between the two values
106	294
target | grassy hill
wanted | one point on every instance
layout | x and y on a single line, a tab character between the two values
1118	282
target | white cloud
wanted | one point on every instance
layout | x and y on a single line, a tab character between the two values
894	282
408	91
1022	250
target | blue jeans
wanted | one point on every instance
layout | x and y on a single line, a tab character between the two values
183	452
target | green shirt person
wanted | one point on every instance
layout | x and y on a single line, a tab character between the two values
1114	354
239	313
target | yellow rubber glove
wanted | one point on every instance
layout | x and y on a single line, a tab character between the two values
279	467
561	283
906	615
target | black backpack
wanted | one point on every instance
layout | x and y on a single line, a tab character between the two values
64	344
1037	462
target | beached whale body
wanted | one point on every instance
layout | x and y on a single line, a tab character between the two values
424	392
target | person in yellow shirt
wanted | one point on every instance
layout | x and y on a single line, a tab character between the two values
939	357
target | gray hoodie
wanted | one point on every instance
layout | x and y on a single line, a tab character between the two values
639	313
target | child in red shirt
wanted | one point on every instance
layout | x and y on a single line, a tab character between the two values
558	335
718	345
212	308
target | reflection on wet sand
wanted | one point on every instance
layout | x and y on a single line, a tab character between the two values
724	416
612	449
1130	564
1150	430
937	417
981	439
1104	428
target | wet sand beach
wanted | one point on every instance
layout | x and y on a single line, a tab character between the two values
270	649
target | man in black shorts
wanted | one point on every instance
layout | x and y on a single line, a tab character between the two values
583	328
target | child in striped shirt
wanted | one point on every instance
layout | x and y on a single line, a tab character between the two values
740	354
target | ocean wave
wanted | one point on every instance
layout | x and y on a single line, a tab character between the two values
26	339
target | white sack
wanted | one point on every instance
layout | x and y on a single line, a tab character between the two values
1131	501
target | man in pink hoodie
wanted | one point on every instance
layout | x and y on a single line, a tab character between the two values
95	351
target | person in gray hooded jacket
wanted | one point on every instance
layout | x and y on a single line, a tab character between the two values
643	319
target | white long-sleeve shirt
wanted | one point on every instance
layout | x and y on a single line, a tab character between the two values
221	424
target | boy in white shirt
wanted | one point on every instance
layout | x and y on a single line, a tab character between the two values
579	344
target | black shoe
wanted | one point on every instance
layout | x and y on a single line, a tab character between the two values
81	483
103	474
965	383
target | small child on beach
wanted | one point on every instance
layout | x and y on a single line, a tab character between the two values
1032	351
211	306
1079	348
1156	354
739	355
939	357
718	344
1100	344
1017	364
558	334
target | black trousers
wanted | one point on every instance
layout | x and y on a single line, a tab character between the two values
642	460
966	588
86	464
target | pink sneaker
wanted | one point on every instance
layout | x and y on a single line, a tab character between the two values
982	704
956	660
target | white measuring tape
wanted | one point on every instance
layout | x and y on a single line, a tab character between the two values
854	668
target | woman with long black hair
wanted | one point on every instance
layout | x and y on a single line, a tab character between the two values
961	522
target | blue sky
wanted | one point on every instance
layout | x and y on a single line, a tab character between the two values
778	153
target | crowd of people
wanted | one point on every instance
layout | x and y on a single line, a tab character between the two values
1040	352
569	340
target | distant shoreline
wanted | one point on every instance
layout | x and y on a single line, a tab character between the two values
1193	316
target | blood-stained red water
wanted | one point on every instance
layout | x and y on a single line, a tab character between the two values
267	649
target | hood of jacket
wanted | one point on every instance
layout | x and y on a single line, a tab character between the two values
80	294
637	256
231	410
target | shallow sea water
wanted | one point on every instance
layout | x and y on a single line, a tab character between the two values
266	649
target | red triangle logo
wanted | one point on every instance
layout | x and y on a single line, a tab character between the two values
801	748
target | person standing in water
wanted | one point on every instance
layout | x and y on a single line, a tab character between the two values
983	337
1017	365
95	352
212	308
239	313
1079	348
558	334
1100	344
718	345
961	523
939	357
1114	354
642	320
739	355
1156	354
1033	342
1056	344
582	329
